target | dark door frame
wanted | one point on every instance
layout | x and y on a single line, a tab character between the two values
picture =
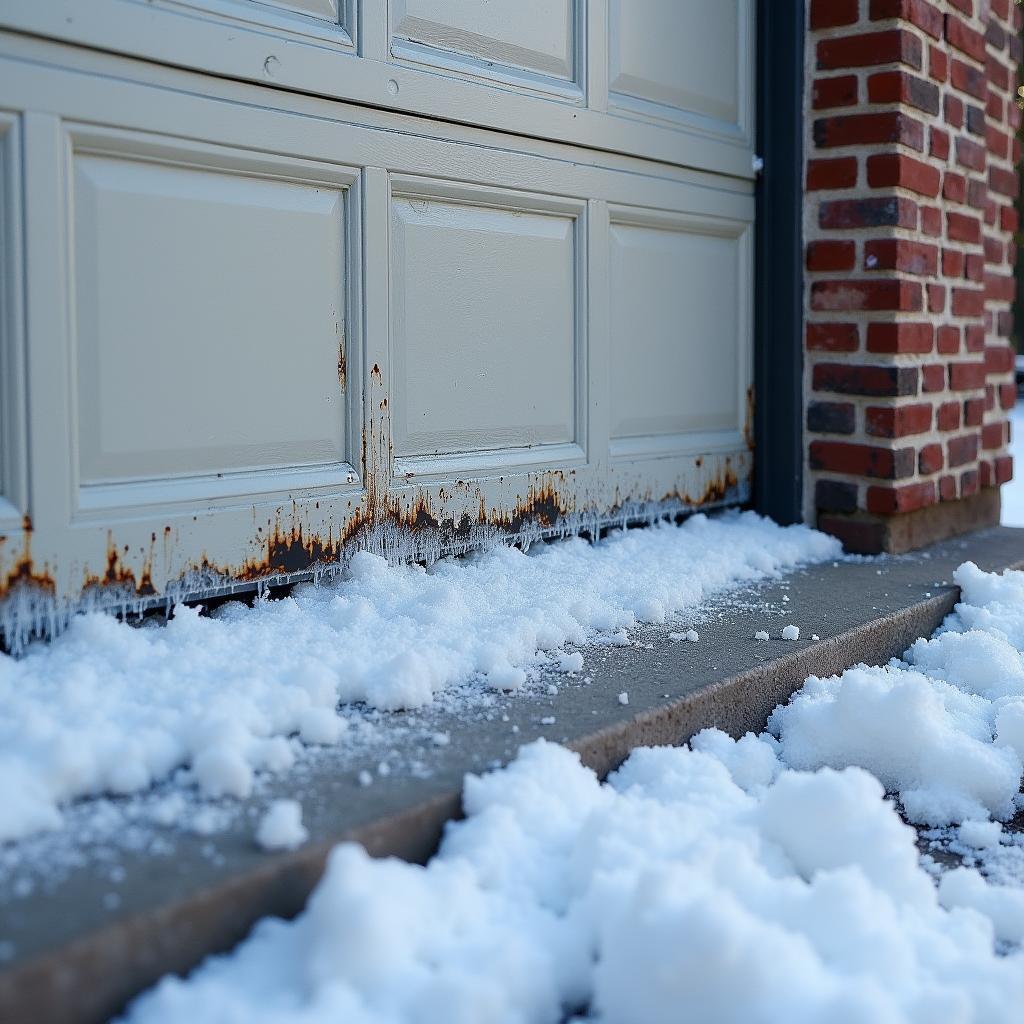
778	268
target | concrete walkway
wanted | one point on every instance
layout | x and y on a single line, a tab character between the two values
77	959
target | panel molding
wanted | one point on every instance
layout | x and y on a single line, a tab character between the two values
489	461
626	92
13	438
420	41
202	488
662	445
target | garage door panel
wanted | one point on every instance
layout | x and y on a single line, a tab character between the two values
676	60
483	293
537	36
679	298
508	316
203	298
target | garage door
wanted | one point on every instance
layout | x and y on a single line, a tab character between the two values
285	280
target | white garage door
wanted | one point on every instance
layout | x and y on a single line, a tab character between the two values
287	279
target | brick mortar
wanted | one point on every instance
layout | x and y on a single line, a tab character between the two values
985	317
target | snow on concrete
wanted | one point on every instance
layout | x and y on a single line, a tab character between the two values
740	894
760	880
281	827
112	709
943	729
1013	492
790	632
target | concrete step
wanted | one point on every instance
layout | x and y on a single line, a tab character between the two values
78	959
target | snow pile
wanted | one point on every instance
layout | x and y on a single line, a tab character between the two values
108	708
711	879
281	827
945	729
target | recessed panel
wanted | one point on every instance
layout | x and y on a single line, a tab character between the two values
484	327
677	300
688	57
534	35
209	317
326	9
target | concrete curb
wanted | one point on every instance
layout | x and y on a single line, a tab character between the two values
92	977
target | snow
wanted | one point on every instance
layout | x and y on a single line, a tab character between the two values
1013	492
790	632
108	708
761	634
281	827
943	729
760	880
623	698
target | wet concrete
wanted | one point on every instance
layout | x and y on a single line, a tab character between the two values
73	956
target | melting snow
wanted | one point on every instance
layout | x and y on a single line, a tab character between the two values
112	709
761	880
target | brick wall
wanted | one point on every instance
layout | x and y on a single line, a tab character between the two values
910	179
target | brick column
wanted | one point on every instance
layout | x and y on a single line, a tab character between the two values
908	224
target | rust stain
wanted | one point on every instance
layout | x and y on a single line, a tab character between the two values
118	576
342	370
24	572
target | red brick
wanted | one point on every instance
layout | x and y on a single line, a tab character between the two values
904	87
840	173
930	459
897	420
830	13
954	187
849	379
938	145
963	227
897	170
953	110
933	378
1004	469
967	6
952	263
892	500
998	359
969	483
931	221
968	302
970	154
961	450
948	416
997	142
831	417
968	79
827	255
974	412
900	295
890	46
1002	181
888	126
938	64
918	12
977	194
947	488
1001	8
1007	396
936	298
1000	287
834	92
964	38
974	266
1009	220
832	337
862	459
947	340
900	337
835	495
993	249
901	254
974	338
876	212
993	435
966	376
